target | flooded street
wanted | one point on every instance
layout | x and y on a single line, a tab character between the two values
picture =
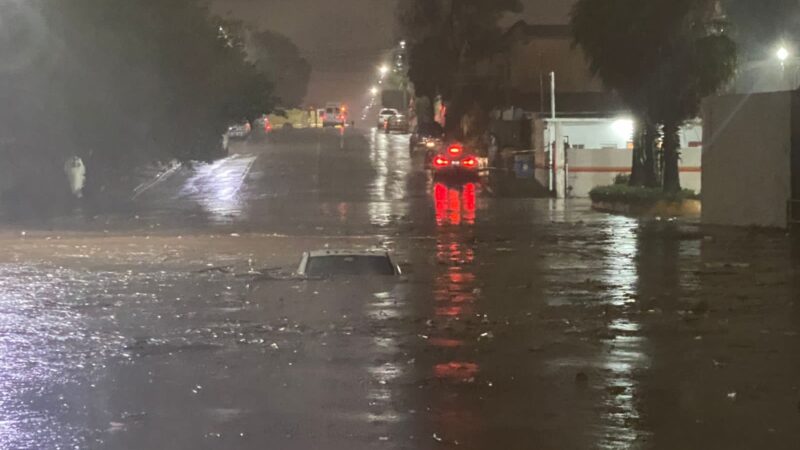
519	322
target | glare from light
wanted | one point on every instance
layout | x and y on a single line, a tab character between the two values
623	128
782	54
402	44
373	91
384	69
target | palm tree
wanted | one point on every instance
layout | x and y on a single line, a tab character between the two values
662	57
617	47
697	59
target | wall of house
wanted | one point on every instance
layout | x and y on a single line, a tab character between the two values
747	159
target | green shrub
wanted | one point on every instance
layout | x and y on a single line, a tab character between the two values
637	195
622	178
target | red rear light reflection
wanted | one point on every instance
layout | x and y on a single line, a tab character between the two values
440	192
469	198
457	371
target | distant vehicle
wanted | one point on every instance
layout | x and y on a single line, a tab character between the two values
398	122
240	130
320	113
455	161
335	115
328	263
427	136
384	115
283	119
263	123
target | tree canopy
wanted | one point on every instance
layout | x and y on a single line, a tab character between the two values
662	57
447	37
119	83
279	58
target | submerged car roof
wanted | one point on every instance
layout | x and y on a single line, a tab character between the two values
348	252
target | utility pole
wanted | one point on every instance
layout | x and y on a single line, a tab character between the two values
553	95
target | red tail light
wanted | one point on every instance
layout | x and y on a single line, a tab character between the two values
470	162
440	162
455	150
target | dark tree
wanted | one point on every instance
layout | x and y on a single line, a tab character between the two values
447	38
279	58
118	83
619	46
662	57
697	58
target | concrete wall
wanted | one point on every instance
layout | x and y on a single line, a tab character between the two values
746	162
590	168
599	150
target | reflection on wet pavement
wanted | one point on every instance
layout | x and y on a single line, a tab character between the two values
521	323
217	186
455	204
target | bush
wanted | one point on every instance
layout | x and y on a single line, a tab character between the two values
637	195
622	178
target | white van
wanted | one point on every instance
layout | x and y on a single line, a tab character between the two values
335	115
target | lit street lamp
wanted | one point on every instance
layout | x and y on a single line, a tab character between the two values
373	91
384	69
782	54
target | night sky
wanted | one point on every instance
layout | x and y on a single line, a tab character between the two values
345	39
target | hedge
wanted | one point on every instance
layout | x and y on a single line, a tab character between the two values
638	195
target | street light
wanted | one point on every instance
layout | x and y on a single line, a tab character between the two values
782	54
402	44
373	91
384	69
623	128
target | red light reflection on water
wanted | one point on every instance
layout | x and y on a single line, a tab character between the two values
457	371
455	206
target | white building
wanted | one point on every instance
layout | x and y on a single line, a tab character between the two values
574	155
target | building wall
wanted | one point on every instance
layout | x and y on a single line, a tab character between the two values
599	150
747	159
589	168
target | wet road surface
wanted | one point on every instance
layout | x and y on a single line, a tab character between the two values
520	323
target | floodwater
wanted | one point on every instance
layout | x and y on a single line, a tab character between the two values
520	322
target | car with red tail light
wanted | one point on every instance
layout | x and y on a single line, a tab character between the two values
455	160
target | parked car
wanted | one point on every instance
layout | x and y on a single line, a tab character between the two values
455	161
240	130
427	136
264	124
384	116
328	263
398	122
